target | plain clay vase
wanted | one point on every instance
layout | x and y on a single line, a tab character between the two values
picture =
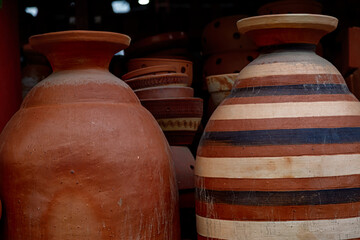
279	158
82	159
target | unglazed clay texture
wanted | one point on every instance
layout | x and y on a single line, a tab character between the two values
279	158
82	159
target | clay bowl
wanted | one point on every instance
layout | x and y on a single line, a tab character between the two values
229	62
220	86
157	43
164	92
222	35
165	79
182	66
291	6
153	70
179	118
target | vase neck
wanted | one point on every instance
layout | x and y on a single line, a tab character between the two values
288	47
72	50
80	56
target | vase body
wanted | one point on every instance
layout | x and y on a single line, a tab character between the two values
82	159
279	158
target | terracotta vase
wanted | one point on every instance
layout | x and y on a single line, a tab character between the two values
82	159
279	158
164	92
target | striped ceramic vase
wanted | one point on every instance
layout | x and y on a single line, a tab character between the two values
280	157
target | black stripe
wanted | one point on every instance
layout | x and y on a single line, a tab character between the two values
302	89
283	137
291	198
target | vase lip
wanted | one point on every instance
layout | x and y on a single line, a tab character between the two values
119	39
294	20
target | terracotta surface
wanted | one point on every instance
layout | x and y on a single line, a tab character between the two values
153	70
279	158
164	92
291	6
179	118
10	84
228	62
163	79
82	159
221	35
156	43
353	82
220	86
182	66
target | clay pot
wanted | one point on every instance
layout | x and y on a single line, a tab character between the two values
182	66
157	43
229	62
291	6
10	83
279	157
82	159
36	69
164	92
179	118
220	86
167	79
154	70
221	35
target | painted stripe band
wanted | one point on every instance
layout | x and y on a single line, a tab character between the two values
283	137
278	167
286	110
345	228
275	198
302	89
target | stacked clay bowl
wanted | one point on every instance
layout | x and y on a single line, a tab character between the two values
227	52
180	65
165	93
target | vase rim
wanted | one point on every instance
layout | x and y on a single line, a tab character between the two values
294	20
80	36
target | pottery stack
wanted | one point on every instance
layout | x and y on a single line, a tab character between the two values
162	85
226	52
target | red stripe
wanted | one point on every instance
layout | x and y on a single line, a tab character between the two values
278	80
286	98
207	238
282	123
277	213
277	150
278	184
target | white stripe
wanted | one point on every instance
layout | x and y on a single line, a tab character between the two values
290	68
278	230
286	110
278	167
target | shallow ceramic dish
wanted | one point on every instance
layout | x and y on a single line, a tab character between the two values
164	92
165	79
182	66
153	70
179	118
220	86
